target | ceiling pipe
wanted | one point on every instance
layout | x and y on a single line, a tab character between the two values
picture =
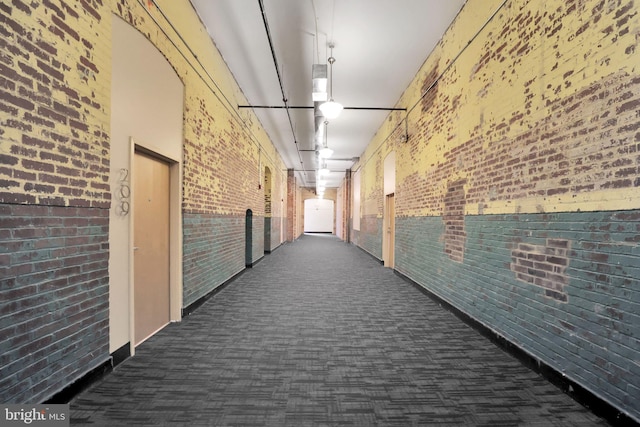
304	107
275	63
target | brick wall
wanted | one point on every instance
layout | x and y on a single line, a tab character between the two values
224	156
274	233
257	239
371	169
55	121
517	190
54	293
539	113
222	179
562	286
54	195
55	157
208	260
370	235
453	217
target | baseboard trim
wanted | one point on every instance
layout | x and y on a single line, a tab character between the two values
270	251
252	264
585	397
121	354
186	311
381	261
84	382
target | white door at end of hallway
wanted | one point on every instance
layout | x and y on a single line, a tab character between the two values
318	216
151	245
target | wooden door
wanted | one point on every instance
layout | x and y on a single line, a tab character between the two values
390	232
151	245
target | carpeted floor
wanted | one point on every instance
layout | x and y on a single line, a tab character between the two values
320	334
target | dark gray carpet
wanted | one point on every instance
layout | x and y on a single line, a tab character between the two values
320	334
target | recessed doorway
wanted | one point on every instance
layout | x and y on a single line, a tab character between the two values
390	231
151	266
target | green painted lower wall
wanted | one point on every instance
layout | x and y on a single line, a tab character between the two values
564	287
54	298
369	237
214	251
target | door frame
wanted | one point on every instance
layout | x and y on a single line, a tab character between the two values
175	233
389	232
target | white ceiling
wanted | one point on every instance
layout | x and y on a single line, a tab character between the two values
379	47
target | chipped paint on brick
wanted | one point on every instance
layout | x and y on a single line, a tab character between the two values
543	266
54	92
536	111
453	217
539	106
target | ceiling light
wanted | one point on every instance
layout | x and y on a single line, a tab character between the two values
325	152
324	170
331	109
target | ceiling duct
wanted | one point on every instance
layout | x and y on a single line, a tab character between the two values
319	79
318	120
318	95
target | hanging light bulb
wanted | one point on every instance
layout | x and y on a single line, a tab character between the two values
325	152
331	109
324	170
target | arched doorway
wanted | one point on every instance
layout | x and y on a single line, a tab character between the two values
147	110
389	222
248	239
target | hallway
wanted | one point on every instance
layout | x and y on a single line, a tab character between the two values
319	333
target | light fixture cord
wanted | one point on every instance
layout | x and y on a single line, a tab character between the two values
326	131
331	61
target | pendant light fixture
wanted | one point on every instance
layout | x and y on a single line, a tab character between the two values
331	109
324	170
325	152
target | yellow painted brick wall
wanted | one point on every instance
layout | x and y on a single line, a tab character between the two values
55	90
524	136
225	149
55	87
54	103
371	164
537	113
55	150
